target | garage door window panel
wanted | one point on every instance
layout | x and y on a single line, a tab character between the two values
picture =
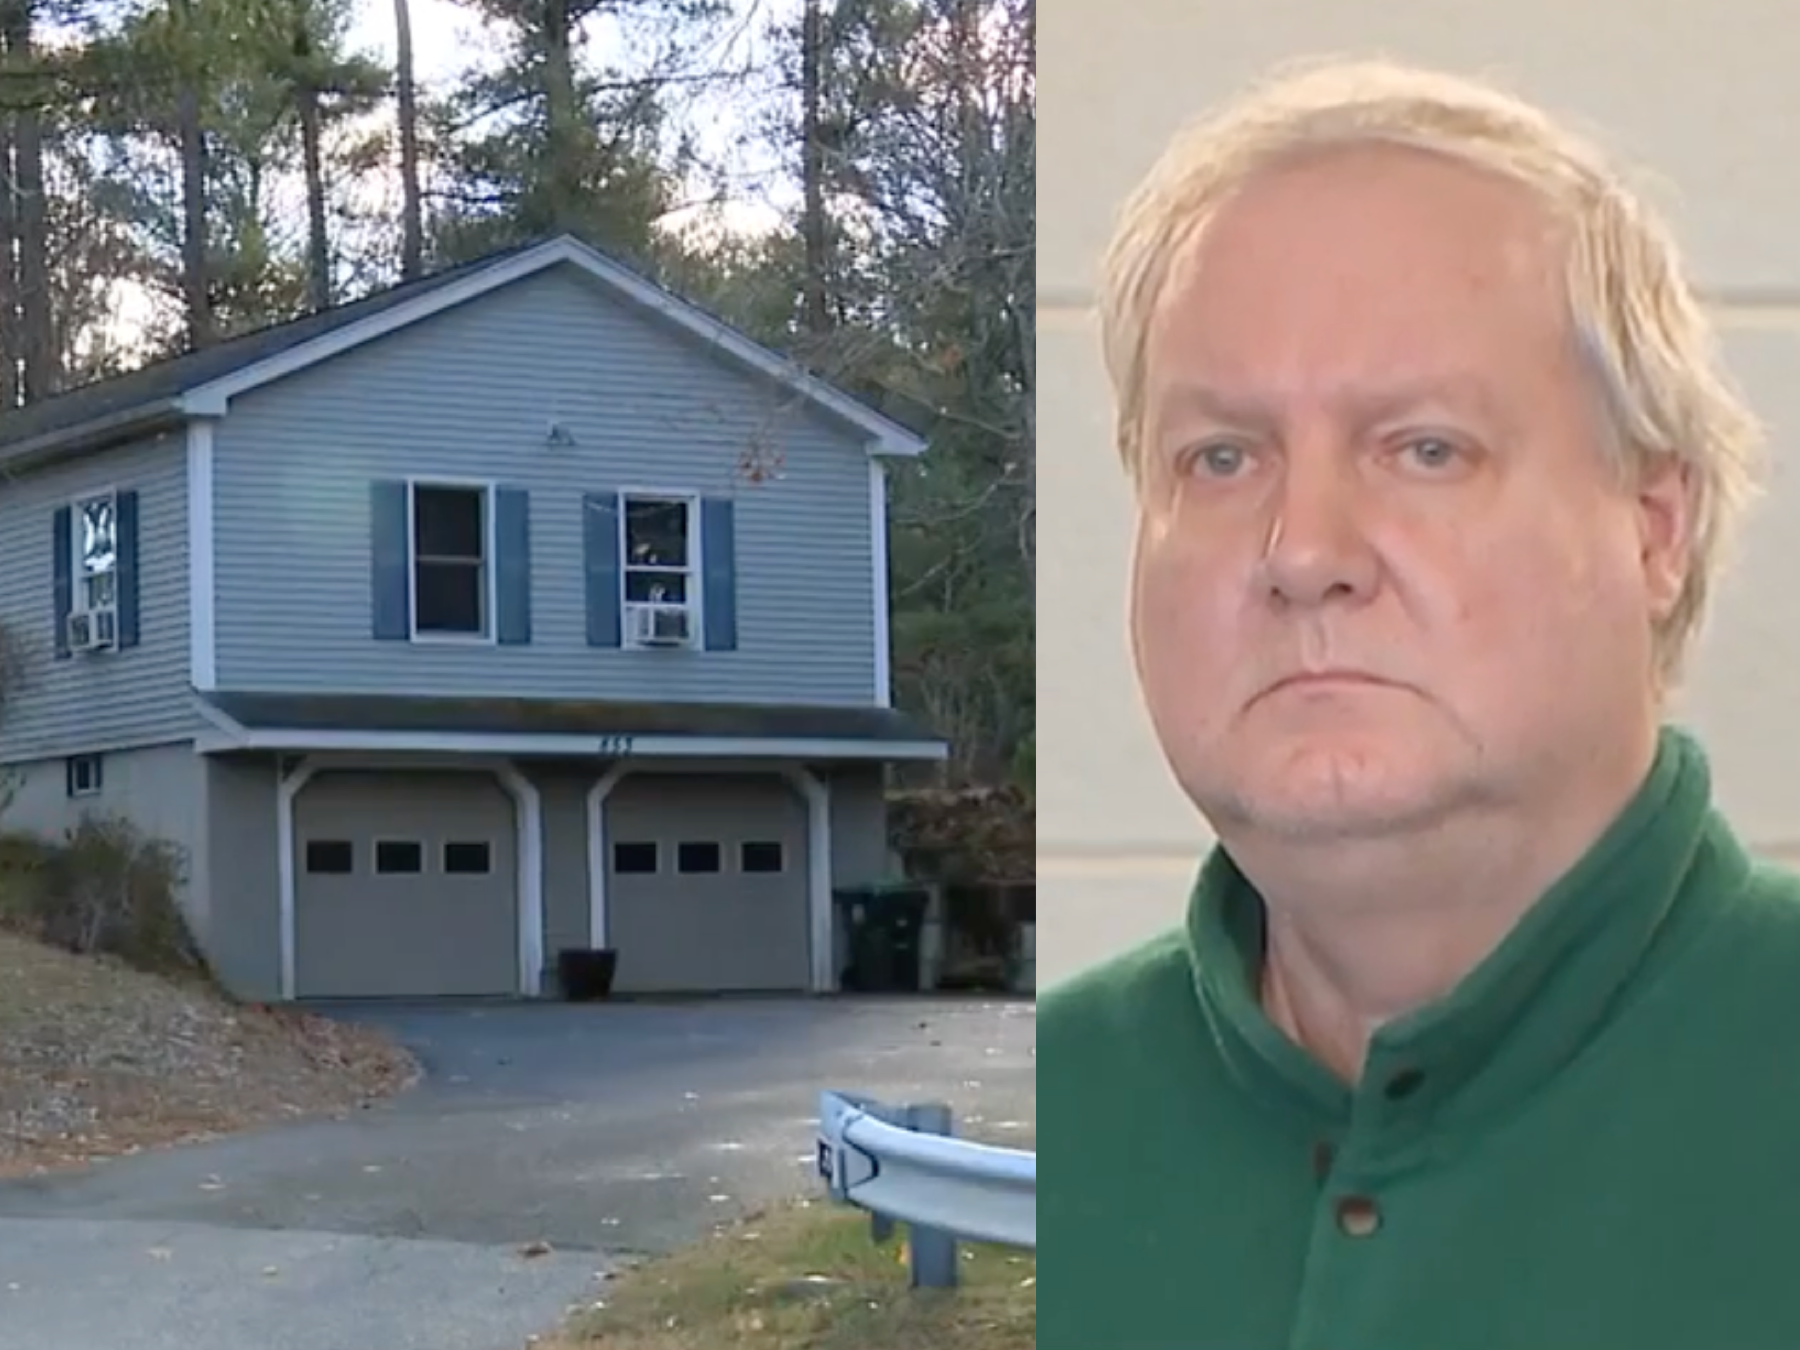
635	857
762	856
399	857
330	857
695	857
452	572
468	858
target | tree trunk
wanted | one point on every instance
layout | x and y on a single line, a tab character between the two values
196	282
816	307
412	212
33	351
14	15
41	376
12	328
562	115
318	230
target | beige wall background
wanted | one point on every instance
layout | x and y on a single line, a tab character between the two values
1702	96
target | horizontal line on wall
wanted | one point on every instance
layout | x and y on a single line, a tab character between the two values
1104	864
1762	307
1768	311
1058	300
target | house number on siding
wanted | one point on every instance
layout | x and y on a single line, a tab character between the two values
616	745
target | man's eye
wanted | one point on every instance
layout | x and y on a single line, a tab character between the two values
1218	461
1431	452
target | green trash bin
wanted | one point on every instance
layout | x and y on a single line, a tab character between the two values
885	925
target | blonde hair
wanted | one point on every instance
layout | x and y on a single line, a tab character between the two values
1636	316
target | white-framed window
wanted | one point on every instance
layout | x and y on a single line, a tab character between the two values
659	550
452	559
95	566
84	776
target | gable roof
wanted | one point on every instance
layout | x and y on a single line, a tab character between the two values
203	383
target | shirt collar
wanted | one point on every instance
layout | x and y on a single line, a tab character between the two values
1519	1016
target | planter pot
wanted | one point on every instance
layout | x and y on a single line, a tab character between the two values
586	973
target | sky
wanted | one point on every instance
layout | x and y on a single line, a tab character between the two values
449	40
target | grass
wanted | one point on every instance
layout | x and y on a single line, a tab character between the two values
808	1277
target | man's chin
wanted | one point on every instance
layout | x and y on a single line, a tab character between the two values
1323	793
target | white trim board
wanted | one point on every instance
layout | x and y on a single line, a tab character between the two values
231	737
885	436
878	570
203	671
528	817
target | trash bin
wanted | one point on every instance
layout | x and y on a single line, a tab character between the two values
885	926
586	973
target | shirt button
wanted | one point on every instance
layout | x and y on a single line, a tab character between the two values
1403	1084
1321	1159
1358	1216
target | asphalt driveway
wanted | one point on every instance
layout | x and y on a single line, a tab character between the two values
604	1131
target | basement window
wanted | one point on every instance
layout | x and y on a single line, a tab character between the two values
84	776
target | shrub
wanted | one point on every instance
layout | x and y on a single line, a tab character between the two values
975	834
105	887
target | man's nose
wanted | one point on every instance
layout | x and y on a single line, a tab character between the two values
1317	549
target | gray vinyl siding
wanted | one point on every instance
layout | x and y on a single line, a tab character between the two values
563	794
239	874
859	835
138	696
472	394
157	789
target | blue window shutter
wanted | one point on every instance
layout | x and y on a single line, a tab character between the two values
125	537
600	544
390	557
512	565
62	576
718	555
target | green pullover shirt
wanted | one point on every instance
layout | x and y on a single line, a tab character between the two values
1592	1143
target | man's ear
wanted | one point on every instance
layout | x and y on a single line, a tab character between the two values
1665	500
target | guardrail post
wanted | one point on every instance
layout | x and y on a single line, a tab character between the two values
931	1252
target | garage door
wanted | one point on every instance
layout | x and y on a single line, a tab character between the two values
405	886
706	884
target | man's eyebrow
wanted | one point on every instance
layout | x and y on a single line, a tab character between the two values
1458	390
1190	398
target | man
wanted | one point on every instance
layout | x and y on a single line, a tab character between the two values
1482	1030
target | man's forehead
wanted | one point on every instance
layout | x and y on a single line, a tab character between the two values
1241	396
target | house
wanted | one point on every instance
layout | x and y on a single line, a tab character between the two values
462	625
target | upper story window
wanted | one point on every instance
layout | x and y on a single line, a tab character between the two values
660	581
96	562
451	562
95	574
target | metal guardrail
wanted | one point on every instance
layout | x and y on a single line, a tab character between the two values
903	1166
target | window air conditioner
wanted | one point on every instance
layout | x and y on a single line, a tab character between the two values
662	625
93	630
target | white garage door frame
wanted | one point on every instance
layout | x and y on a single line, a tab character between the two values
814	790
528	811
